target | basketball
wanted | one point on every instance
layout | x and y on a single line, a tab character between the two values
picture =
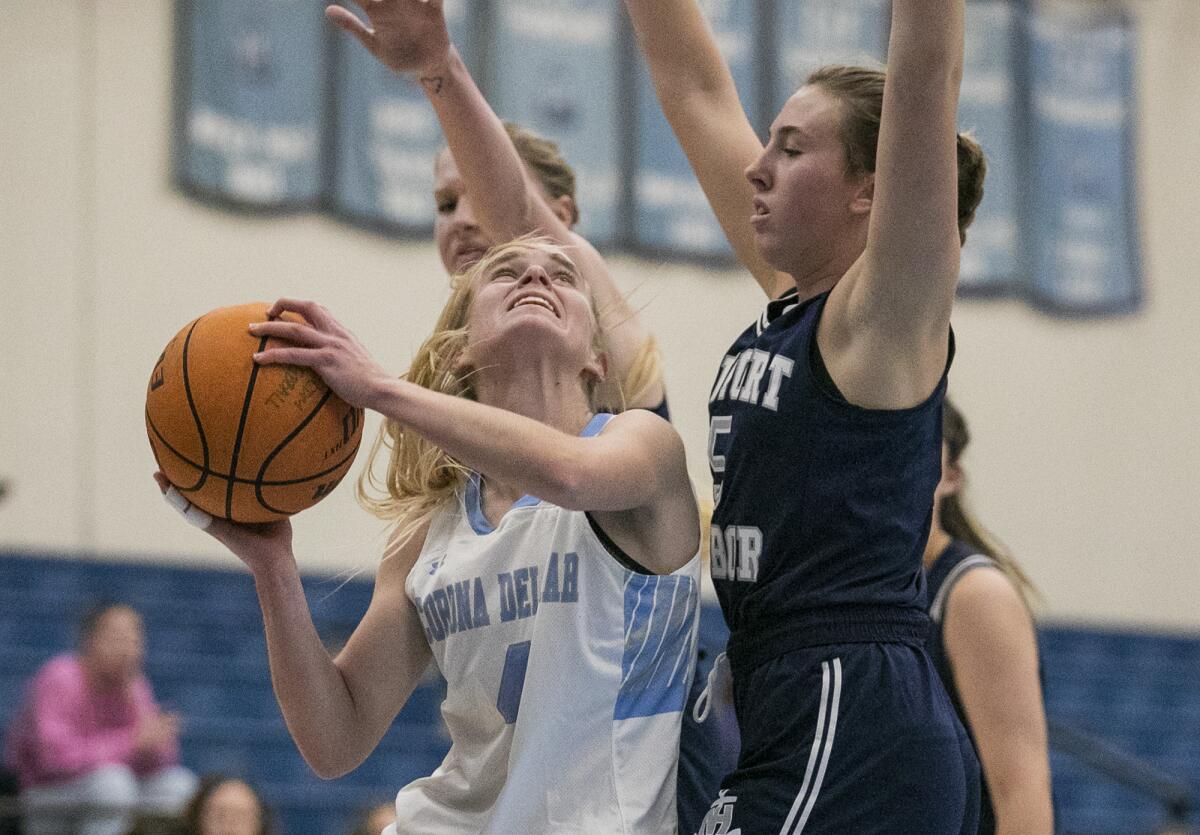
245	442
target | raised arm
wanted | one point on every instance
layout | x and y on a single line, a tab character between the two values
697	95
993	654
409	36
336	710
885	329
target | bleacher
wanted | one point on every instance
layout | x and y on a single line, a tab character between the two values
206	658
1137	695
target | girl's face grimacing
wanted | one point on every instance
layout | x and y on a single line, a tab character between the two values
533	299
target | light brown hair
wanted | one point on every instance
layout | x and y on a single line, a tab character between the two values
859	90
544	159
960	523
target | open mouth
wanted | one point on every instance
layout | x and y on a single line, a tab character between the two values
536	300
761	212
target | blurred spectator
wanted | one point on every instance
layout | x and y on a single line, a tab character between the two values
89	745
225	805
376	819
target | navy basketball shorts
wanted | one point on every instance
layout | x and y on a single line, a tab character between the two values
847	739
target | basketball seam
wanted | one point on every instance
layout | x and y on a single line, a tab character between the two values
203	468
258	482
237	440
266	483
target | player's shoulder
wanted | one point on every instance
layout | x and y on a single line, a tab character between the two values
404	547
985	594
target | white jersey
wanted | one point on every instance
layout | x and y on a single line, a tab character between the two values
567	674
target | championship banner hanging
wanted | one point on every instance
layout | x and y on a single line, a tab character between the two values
1084	233
555	69
989	107
251	81
672	217
386	136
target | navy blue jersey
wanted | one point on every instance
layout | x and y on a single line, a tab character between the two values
662	409
956	560
822	507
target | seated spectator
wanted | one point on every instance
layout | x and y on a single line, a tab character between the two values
90	746
376	819
225	805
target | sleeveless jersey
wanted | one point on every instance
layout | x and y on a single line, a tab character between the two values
566	670
956	560
822	507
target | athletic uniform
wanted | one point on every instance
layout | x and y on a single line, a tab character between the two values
822	512
707	750
956	560
567	666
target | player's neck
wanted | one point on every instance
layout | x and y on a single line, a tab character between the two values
542	392
812	279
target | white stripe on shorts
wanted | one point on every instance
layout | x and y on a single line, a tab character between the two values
822	746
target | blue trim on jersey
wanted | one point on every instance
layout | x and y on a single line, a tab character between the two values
474	496
660	611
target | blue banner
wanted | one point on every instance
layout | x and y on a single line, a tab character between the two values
252	78
812	33
671	214
555	70
1085	236
386	135
989	109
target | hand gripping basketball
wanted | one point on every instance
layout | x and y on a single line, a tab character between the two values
323	344
242	441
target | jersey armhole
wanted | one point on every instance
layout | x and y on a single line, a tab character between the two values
941	603
823	380
614	550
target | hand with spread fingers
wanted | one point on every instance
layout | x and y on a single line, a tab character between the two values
406	35
324	345
257	545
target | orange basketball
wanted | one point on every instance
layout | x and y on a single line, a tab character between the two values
247	442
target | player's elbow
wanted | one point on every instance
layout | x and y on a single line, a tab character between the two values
568	483
329	759
329	766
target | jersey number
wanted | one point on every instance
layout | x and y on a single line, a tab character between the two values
717	426
512	681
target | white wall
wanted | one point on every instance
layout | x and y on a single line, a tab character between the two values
1085	458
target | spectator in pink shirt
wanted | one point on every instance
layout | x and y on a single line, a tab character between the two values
90	746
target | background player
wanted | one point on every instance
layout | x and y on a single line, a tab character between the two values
984	646
826	421
493	183
554	582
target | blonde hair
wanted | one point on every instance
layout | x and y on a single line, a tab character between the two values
421	476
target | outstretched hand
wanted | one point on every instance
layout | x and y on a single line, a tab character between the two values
256	545
324	345
405	35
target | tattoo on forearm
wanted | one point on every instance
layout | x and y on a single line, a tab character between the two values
433	83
